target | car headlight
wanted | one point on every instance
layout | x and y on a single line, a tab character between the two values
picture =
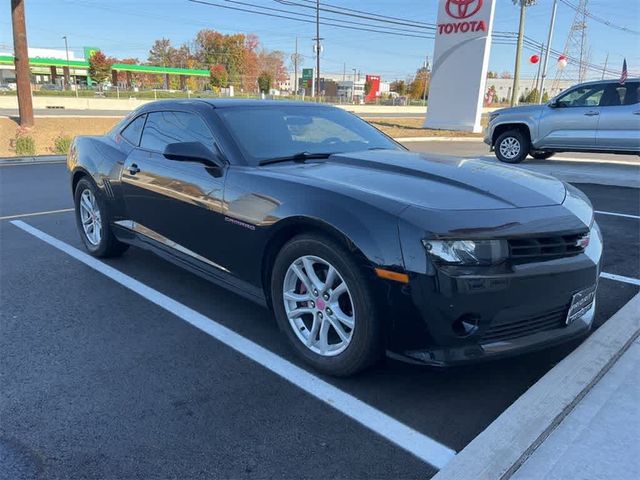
467	252
493	116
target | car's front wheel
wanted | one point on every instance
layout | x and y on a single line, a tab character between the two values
93	222
512	146
325	306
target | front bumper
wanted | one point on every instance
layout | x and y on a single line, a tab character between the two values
454	319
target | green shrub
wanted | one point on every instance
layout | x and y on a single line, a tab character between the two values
62	144
25	145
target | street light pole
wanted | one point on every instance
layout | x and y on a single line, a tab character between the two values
75	80
554	10
21	60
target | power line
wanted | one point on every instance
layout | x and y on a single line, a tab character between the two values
598	19
322	22
349	12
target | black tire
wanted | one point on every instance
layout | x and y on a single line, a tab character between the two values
542	155
512	136
109	245
366	345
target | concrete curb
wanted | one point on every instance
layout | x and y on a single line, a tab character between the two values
33	159
437	139
507	443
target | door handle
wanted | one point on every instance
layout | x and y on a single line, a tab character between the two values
592	114
637	113
133	169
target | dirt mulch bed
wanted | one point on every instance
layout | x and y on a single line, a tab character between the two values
46	130
412	127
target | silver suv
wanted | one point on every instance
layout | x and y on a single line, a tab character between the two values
599	116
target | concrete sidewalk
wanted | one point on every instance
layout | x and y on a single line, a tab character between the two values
600	438
580	421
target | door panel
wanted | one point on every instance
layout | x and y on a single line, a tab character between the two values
179	200
619	127
573	123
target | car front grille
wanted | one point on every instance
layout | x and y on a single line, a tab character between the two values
512	329
544	248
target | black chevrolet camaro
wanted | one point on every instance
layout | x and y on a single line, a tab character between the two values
359	246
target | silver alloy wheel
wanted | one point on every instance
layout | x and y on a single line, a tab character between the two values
90	217
319	305
510	147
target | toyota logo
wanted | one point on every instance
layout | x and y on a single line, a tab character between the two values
463	8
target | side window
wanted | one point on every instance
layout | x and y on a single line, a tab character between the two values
633	94
614	95
588	96
132	131
163	128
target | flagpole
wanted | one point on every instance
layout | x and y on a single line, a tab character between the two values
606	60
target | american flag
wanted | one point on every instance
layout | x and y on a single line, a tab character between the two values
625	73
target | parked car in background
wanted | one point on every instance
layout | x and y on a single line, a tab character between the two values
50	87
357	245
602	116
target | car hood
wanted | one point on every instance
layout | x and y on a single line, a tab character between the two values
523	110
432	182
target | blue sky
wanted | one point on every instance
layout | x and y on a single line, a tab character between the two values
127	28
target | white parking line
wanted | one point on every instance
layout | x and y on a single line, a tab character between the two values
35	214
620	278
414	442
613	214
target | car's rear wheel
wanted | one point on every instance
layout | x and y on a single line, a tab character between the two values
512	146
92	218
325	306
542	155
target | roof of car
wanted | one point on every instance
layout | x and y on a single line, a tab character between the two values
230	103
610	80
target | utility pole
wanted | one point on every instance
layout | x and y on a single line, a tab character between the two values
344	72
426	79
21	55
317	39
295	68
606	61
554	10
516	73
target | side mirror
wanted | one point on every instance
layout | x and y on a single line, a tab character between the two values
192	152
553	104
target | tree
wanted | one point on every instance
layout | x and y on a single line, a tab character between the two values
219	77
417	87
506	74
264	82
99	67
368	85
162	53
491	74
399	86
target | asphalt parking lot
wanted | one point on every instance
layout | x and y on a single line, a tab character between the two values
99	381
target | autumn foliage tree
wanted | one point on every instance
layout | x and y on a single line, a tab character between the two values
99	67
219	77
264	82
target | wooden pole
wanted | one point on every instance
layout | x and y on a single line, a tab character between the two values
23	73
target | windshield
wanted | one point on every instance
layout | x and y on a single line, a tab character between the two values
279	131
